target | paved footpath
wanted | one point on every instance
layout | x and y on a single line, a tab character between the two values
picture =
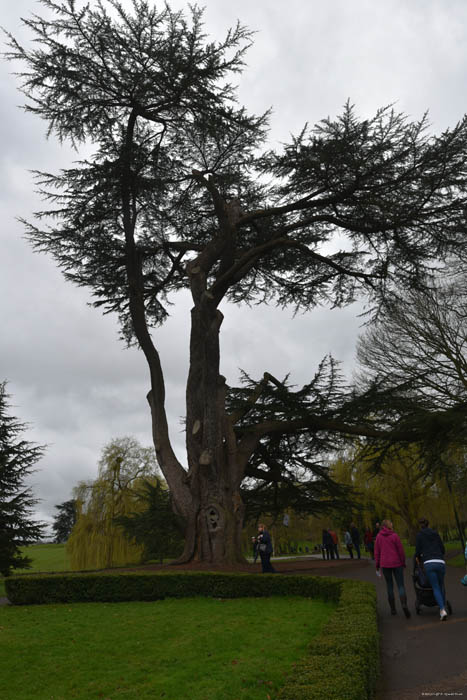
421	657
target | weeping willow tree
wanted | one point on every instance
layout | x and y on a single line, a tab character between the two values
97	541
401	486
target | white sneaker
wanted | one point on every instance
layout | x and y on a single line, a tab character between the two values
443	615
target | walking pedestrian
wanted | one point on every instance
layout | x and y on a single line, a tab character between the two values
464	578
254	542
335	543
348	543
265	549
390	557
355	535
328	545
368	542
429	552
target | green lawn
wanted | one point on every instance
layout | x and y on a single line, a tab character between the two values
198	648
45	557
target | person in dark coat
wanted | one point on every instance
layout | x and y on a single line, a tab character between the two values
254	542
429	552
328	545
355	535
265	549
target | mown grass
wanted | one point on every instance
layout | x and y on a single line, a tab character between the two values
45	557
197	648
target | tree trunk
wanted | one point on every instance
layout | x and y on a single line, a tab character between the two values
215	472
208	494
460	529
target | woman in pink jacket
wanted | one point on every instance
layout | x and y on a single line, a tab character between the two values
390	557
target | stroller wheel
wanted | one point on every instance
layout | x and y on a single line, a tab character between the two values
448	607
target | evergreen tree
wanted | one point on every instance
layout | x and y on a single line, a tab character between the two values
17	457
65	520
178	195
155	526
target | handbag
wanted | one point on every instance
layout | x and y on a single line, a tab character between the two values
263	547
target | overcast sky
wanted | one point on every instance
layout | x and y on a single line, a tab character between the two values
69	376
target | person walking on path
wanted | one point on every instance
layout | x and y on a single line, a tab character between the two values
429	552
368	541
265	549
348	543
254	542
390	557
328	545
335	543
355	535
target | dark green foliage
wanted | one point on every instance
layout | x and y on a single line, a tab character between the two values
287	470
157	528
17	457
64	521
342	663
61	588
334	677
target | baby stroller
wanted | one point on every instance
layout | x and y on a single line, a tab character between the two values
423	590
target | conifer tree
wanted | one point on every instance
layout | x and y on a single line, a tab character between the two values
153	524
179	191
17	458
65	520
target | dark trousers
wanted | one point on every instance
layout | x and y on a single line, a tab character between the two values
398	573
267	567
357	548
350	550
336	551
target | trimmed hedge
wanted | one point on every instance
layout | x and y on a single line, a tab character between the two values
342	663
96	587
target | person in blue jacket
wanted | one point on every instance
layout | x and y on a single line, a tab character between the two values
265	549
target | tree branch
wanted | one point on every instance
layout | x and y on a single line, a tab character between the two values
170	466
241	267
